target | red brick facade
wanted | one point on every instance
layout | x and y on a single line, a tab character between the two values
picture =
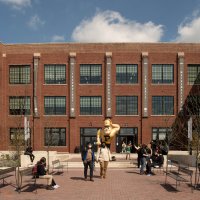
126	53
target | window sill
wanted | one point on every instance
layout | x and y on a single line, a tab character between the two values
55	84
86	84
162	115
167	84
127	115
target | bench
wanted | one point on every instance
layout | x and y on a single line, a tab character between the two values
180	175
25	172
19	174
57	165
5	173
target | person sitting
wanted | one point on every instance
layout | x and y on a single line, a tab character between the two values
29	151
157	159
42	173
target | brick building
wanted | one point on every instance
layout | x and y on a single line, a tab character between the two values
66	90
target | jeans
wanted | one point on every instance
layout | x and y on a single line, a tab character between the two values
91	166
142	164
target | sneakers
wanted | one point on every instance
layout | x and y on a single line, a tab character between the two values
50	187
92	179
149	175
56	186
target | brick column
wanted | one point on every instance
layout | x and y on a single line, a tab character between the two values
108	84
180	80
145	63
72	63
36	58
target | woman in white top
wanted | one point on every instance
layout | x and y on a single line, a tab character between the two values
103	156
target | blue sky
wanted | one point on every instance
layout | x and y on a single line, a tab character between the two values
44	21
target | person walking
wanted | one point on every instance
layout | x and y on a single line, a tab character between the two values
88	160
103	157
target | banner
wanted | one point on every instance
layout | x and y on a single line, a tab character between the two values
190	129
26	129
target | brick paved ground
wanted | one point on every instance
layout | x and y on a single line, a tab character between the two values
119	184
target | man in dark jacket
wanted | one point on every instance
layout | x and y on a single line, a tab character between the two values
88	160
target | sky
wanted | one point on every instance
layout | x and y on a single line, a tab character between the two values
54	21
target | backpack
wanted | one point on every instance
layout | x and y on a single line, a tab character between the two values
34	172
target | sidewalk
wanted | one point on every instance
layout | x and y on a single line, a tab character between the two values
120	184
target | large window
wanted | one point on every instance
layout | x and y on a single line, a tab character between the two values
90	74
90	105
126	105
193	74
162	105
55	105
126	73
19	105
55	136
160	133
55	74
19	74
17	136
163	74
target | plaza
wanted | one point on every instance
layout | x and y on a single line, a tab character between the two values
120	183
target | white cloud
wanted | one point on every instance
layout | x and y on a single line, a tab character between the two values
111	26
58	38
189	31
35	22
17	4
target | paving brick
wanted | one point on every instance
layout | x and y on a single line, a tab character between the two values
119	184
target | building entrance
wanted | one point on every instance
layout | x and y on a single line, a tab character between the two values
88	135
126	135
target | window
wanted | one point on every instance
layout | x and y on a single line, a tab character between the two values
162	105
126	74
55	105
193	74
19	74
55	74
160	133
90	105
90	74
19	105
163	74
126	105
17	136
55	136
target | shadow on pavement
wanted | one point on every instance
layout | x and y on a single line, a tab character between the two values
169	188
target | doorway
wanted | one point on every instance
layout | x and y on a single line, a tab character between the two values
126	135
88	135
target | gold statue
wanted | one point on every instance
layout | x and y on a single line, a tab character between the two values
107	134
